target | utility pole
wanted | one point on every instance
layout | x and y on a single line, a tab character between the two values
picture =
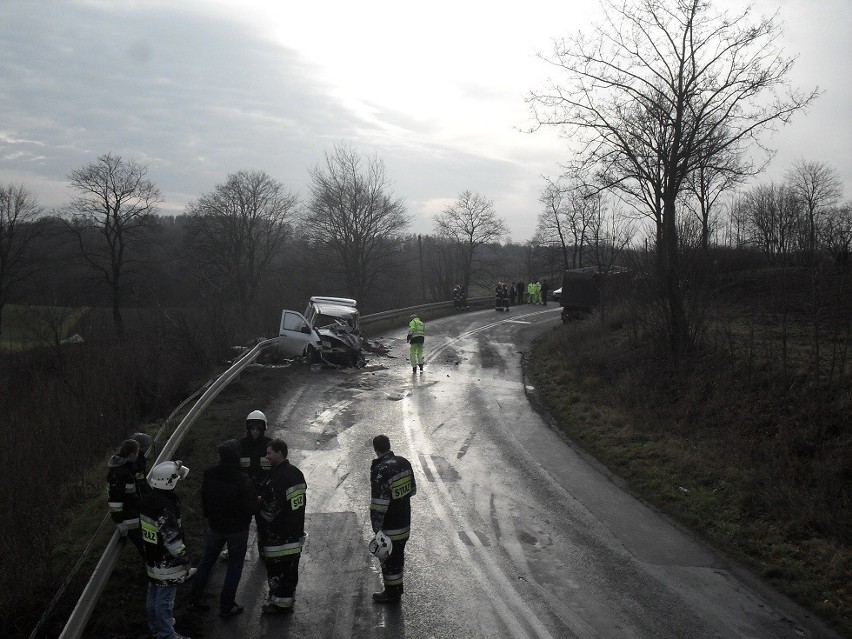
422	274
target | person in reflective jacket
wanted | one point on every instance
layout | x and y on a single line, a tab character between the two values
416	336
281	528
123	498
166	558
392	485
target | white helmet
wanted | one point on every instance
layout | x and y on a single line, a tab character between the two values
256	416
166	475
381	546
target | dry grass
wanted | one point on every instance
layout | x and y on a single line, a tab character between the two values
748	443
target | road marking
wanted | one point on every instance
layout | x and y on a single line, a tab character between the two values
483	565
437	351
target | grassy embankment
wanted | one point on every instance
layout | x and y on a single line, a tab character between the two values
120	613
747	443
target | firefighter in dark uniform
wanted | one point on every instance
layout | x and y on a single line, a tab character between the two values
253	446
253	459
147	453
281	528
392	485
166	558
123	497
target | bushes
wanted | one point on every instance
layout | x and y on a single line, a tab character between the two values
756	423
65	409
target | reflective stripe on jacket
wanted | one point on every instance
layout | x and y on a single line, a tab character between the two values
282	510
392	485
166	558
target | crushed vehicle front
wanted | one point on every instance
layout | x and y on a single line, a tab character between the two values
336	322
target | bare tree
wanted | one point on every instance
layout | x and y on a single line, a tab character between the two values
114	206
610	234
236	232
836	232
663	87
707	183
553	226
818	187
354	216
774	215
19	211
470	223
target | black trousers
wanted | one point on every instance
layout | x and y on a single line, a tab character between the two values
392	568
282	575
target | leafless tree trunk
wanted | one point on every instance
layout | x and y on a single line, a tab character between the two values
553	223
818	187
114	205
664	87
774	215
237	231
19	211
353	215
470	223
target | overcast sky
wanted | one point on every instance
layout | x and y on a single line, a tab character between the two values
199	89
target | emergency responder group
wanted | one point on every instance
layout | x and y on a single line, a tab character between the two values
508	294
253	478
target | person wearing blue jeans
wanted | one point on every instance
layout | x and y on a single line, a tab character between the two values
159	607
228	500
166	557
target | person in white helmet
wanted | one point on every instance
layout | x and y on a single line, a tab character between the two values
253	448
166	557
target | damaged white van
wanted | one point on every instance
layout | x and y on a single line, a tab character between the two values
328	330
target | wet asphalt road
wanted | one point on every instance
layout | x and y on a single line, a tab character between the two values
514	533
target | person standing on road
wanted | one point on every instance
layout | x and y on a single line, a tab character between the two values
416	336
281	528
166	558
253	459
542	296
392	486
253	448
521	288
123	497
228	500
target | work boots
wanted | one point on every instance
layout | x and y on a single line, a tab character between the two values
387	597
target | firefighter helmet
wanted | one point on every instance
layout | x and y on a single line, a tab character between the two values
254	417
381	546
166	475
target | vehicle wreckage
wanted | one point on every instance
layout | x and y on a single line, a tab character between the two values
327	331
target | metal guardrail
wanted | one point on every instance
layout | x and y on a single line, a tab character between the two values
82	612
79	617
434	306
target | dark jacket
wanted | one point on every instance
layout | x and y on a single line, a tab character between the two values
282	508
141	471
165	552
123	498
228	496
392	485
253	458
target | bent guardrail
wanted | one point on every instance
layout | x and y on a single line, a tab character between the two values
79	617
82	612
